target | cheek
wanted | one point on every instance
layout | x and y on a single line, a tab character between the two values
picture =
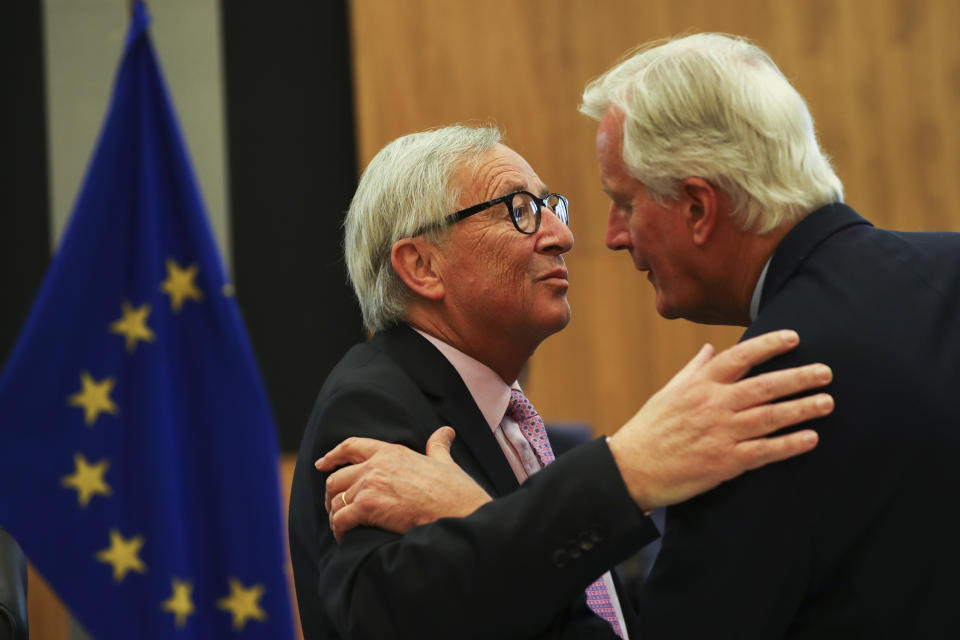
513	266
490	274
640	239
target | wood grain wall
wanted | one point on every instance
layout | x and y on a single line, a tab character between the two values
882	79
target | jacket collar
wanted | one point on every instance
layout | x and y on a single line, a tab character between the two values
441	383
803	240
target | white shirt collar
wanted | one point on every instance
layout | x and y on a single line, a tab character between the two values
758	290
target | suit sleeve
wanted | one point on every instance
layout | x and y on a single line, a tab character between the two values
509	570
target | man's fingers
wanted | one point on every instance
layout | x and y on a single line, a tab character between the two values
337	501
733	363
438	445
350	451
339	481
343	520
778	384
702	358
762	451
763	420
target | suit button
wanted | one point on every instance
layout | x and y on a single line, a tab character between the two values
595	533
574	552
560	558
586	543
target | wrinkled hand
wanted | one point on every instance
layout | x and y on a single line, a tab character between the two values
705	427
394	488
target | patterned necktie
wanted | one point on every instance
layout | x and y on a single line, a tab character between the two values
531	426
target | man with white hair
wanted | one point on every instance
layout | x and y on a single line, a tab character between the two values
455	249
721	195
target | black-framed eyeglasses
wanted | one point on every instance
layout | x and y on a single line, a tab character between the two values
524	208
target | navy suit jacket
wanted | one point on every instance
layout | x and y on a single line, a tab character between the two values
857	539
516	568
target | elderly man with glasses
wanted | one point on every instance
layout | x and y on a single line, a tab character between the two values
458	302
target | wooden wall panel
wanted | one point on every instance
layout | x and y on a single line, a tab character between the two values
882	78
46	615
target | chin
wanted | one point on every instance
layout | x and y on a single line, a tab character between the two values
557	323
692	315
561	322
665	310
700	316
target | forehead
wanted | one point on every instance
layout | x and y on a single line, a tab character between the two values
614	176
499	171
610	141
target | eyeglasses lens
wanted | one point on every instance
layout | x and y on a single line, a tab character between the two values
524	212
559	206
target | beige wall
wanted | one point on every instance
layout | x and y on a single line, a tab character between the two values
83	43
882	78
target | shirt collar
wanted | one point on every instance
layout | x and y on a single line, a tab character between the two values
487	389
758	290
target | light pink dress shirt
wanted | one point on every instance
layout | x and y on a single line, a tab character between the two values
492	396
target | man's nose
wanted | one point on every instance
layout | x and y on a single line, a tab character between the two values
555	235
617	236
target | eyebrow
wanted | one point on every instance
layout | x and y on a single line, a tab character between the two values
544	191
513	187
610	194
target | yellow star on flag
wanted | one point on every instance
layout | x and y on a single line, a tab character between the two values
87	479
94	397
123	555
133	325
243	603
180	603
179	284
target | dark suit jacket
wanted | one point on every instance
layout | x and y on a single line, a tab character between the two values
859	538
516	568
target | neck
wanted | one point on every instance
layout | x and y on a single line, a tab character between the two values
745	256
506	360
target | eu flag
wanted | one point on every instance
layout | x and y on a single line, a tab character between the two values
138	458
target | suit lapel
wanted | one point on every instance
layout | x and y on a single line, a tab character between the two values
803	240
441	383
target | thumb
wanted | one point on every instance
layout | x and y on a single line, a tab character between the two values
438	446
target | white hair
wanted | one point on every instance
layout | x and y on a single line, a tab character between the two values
406	187
717	107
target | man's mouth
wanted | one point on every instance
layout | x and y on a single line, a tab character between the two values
560	273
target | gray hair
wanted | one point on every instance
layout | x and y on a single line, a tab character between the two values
717	107
407	186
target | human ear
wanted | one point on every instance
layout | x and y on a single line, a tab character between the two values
701	202
414	260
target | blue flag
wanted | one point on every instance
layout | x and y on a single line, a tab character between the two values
138	458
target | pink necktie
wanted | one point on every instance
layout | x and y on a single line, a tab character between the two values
531	426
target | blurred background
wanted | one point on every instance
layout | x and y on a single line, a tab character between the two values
283	103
